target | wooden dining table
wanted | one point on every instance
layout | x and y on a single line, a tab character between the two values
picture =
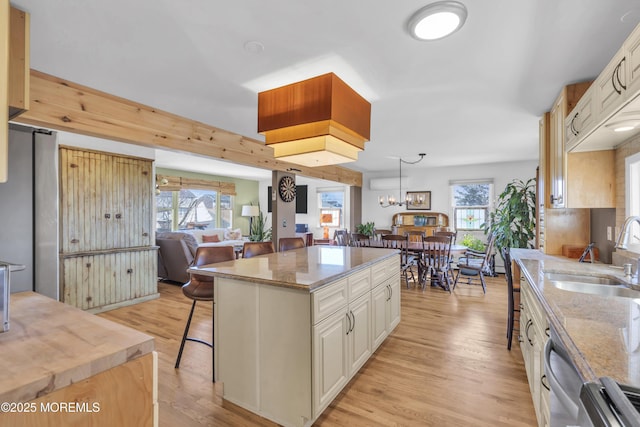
418	248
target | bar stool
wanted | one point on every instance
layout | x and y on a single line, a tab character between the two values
511	310
252	249
200	288
288	243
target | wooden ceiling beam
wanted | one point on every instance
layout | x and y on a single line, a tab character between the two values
62	105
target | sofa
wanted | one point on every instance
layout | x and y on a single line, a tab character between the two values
177	249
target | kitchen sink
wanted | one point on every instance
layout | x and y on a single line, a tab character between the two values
596	285
601	290
582	278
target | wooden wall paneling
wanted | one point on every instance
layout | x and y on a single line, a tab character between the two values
63	105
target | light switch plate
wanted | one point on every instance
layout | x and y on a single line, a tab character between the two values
609	233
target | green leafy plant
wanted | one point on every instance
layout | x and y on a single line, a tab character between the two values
366	229
513	221
473	243
259	231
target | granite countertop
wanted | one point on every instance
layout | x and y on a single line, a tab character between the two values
306	268
601	333
51	345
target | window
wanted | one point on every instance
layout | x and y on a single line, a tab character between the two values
193	209
471	201
632	172
331	203
184	203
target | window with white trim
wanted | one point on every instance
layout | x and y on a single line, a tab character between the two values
632	195
470	202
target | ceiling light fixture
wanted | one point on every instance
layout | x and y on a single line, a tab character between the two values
624	122
437	20
316	122
391	201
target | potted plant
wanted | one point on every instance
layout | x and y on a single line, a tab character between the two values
259	231
513	221
367	229
473	243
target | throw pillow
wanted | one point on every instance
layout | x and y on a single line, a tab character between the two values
233	234
210	239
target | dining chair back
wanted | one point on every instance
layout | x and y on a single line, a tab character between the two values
407	259
341	237
474	264
379	232
200	288
251	249
434	263
360	240
289	243
452	235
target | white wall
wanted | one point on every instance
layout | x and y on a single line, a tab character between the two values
312	217
436	180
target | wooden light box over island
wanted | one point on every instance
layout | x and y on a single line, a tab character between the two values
292	328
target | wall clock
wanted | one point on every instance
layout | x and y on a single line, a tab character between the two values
287	188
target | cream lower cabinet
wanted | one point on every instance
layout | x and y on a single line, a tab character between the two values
533	336
386	309
286	353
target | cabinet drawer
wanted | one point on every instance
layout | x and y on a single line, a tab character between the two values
329	299
359	283
383	270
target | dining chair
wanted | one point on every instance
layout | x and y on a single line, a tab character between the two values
251	249
200	288
379	232
289	243
434	263
341	237
474	264
512	291
407	259
452	235
360	240
415	236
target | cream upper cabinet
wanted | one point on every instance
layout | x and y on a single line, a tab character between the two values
611	86
581	120
632	61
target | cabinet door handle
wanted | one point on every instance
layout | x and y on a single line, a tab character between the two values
574	130
353	324
543	380
613	79
622	85
526	331
546	332
349	325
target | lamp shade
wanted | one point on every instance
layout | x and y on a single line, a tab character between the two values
250	210
315	122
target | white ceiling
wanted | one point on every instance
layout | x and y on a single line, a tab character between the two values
474	97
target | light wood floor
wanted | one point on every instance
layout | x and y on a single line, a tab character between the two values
446	364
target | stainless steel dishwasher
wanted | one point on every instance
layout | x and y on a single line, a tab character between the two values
565	383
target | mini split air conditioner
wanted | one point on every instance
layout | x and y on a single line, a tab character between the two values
388	183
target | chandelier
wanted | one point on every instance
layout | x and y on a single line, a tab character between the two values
408	200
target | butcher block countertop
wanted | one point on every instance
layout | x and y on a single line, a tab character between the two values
600	333
51	345
307	268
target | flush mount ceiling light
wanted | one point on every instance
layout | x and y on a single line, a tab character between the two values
316	122
437	20
624	122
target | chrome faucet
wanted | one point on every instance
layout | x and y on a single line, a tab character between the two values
623	237
623	240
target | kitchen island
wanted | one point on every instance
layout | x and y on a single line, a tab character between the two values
292	328
62	366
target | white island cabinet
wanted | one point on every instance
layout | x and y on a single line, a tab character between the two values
292	328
